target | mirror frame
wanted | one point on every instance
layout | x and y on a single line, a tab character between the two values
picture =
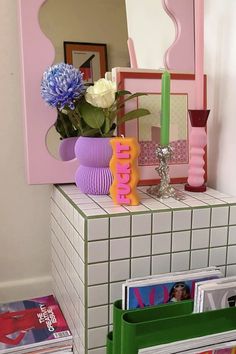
37	53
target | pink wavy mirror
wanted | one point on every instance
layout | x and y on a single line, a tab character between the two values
37	54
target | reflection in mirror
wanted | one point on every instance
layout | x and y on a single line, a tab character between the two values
102	21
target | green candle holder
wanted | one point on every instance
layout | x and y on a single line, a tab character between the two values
164	189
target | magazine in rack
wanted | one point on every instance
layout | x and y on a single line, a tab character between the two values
216	294
160	289
36	325
213	344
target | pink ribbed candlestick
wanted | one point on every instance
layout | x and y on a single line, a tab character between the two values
198	138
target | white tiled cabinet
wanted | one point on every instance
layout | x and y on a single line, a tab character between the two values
97	245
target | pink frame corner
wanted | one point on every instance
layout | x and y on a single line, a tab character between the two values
37	54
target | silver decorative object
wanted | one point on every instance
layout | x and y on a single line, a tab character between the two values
164	189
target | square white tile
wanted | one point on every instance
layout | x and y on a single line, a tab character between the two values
218	236
120	226
136	208
116	210
111	313
98	229
78	244
97	251
232	218
200	238
181	220
201	218
180	261
161	243
219	216
97	273
95	212
98	295
141	224
217	256
119	270
97	337
161	264
231	270
79	223
120	248
180	241
232	235
115	291
141	246
96	351
162	222
97	316
199	259
231	256
140	267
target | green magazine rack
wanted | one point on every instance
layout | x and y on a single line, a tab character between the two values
162	324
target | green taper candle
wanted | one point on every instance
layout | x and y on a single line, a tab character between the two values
165	108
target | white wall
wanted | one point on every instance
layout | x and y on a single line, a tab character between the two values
220	66
24	210
152	36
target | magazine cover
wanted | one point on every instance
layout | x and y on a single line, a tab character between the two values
161	293
157	289
221	296
30	323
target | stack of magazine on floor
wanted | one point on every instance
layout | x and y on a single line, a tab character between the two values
34	326
164	288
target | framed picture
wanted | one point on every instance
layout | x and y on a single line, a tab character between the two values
147	128
90	58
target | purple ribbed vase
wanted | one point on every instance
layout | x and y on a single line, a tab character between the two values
67	148
93	175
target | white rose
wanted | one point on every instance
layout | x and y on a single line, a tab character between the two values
101	94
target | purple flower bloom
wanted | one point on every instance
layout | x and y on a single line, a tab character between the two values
61	85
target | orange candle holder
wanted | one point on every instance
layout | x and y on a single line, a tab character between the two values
124	169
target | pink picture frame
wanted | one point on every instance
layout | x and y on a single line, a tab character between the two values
183	88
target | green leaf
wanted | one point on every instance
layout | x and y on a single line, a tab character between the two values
136	113
106	126
94	117
91	132
135	95
64	126
122	93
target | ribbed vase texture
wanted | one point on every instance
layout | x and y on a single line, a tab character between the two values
93	175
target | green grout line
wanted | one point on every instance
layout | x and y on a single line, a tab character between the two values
86	285
151	247
108	265
227	241
190	246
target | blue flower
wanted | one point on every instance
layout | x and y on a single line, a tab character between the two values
61	85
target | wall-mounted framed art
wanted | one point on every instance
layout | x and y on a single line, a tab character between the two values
147	129
90	58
